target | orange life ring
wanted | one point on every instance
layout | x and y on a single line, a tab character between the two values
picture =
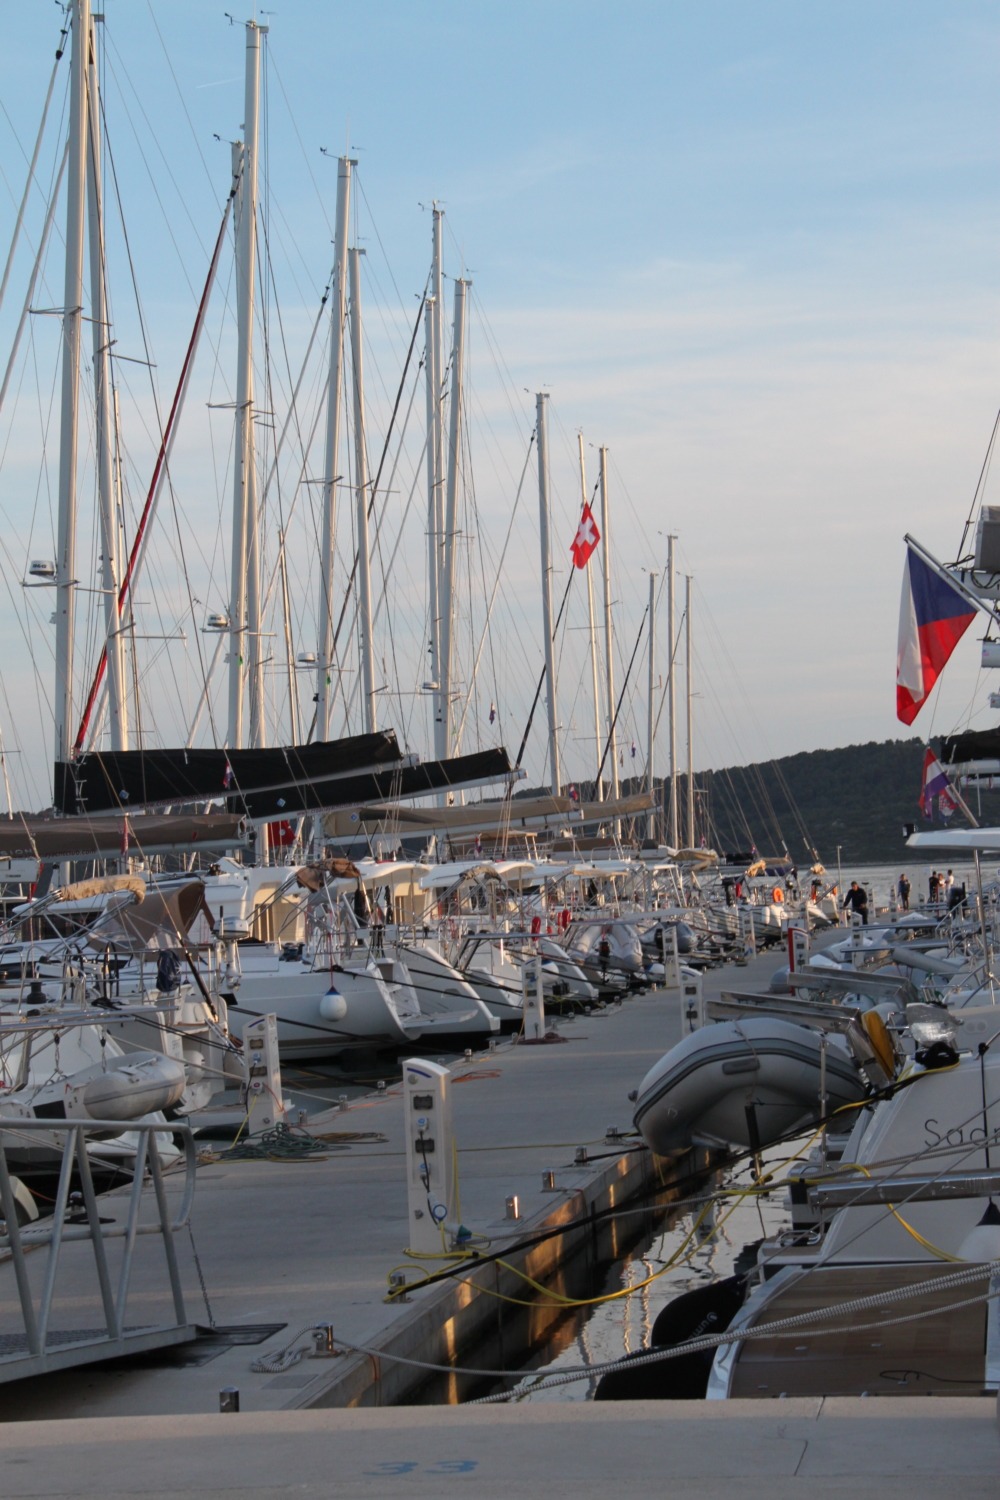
777	895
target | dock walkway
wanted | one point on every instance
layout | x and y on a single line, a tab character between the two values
304	1241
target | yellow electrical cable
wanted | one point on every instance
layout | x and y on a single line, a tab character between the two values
246	1121
766	1184
920	1239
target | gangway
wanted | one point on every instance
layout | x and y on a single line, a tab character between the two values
36	1347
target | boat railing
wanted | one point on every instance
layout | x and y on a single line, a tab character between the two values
37	1348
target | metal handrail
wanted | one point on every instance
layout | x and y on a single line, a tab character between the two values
17	1238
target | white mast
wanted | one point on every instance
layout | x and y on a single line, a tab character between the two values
69	420
598	737
651	723
690	727
361	482
437	319
543	529
674	832
286	614
432	388
244	630
443	743
107	487
608	646
331	472
433	327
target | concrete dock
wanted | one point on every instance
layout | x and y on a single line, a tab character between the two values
311	1240
757	1450
279	1246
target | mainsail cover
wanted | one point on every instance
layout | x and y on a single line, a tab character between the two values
107	780
91	838
974	745
350	791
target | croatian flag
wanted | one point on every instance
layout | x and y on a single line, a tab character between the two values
933	783
586	539
933	617
227	779
493	713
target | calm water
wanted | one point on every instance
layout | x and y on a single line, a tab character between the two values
648	1281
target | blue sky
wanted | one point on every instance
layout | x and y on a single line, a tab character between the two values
751	247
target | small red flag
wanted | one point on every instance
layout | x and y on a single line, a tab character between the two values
586	539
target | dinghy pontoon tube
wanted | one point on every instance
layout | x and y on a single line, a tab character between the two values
743	1084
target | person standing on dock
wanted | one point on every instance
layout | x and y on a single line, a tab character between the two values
903	889
857	900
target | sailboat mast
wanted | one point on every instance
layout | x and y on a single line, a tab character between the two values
434	328
543	530
244	553
72	320
591	630
107	478
286	615
443	743
674	831
331	464
690	725
651	721
432	387
608	645
361	512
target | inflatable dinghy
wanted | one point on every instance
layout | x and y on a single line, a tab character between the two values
743	1084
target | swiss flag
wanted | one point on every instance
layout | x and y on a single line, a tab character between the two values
586	539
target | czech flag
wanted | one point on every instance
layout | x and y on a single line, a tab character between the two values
933	617
933	783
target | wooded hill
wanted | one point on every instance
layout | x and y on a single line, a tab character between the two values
858	797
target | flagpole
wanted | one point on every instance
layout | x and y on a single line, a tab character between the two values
943	572
953	792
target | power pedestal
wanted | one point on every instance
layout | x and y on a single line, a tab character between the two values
692	1002
262	1074
748	934
533	1000
798	947
429	1145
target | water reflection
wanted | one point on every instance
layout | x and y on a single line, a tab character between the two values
704	1236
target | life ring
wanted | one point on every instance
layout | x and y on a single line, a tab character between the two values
777	895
